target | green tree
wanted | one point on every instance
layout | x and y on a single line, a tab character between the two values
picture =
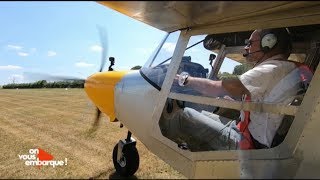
225	75
240	69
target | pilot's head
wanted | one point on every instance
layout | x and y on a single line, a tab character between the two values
265	43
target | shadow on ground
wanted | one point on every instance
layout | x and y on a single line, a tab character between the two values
113	175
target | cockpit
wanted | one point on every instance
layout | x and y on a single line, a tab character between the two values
217	57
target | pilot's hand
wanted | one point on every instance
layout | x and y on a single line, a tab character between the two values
183	78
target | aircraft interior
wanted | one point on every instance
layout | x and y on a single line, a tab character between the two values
205	56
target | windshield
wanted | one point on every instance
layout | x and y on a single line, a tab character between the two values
156	67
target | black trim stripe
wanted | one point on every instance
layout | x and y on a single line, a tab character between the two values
149	81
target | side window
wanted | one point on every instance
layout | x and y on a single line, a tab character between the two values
196	59
231	68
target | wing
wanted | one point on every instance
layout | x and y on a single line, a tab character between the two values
225	16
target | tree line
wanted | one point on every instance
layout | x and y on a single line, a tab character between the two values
45	84
238	70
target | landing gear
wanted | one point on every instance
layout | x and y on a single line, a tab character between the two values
126	157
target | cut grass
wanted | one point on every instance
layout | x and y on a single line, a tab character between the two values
58	121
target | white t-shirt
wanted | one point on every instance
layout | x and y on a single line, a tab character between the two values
273	82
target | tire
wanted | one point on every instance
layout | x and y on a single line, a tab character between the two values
130	163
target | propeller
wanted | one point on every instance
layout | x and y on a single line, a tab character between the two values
103	42
42	76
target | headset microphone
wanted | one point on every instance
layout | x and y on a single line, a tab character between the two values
247	54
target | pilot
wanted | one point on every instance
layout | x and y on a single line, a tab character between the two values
273	79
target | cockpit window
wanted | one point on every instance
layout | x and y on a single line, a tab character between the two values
155	69
201	59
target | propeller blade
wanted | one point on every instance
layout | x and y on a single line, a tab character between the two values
95	124
104	45
98	113
103	41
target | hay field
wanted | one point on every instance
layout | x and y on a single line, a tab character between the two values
57	121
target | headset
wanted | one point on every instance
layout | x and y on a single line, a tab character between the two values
268	41
272	38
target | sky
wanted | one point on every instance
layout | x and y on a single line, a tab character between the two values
61	38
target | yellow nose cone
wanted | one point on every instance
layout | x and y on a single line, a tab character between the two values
100	89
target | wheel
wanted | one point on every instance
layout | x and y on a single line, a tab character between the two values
129	163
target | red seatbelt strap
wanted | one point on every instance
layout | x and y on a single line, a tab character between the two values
305	72
246	141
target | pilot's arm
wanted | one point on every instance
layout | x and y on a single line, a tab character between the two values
232	86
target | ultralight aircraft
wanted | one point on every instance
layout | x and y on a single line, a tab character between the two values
204	36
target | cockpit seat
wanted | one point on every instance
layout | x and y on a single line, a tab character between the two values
285	124
312	61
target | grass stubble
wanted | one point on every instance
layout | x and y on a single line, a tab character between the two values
59	121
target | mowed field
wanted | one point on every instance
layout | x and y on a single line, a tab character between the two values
58	121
